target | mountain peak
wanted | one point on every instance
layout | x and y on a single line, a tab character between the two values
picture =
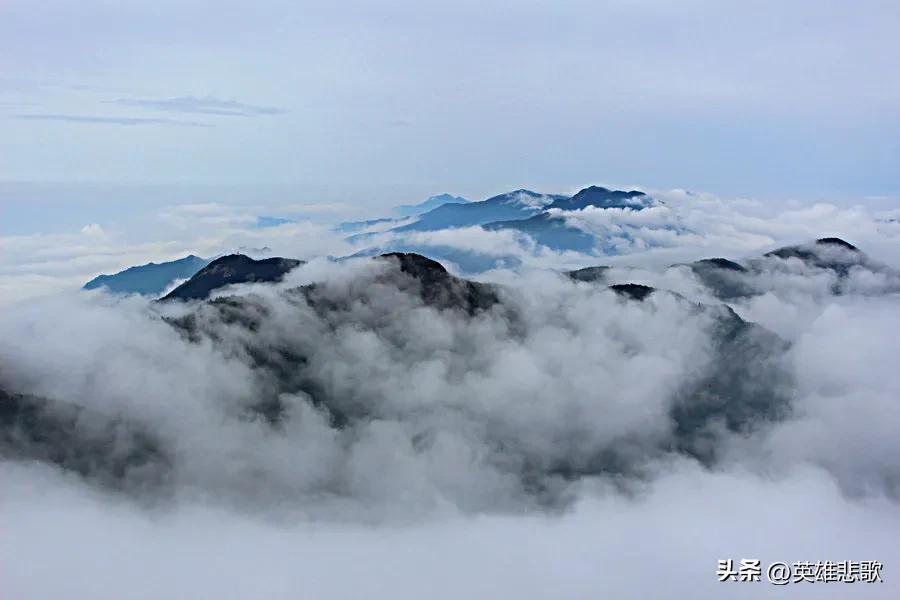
445	197
598	189
593	189
415	264
439	288
720	263
513	196
834	241
430	203
821	251
231	269
601	197
149	279
632	291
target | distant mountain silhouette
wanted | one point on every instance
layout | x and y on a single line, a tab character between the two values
263	222
634	291
600	197
411	210
527	212
588	274
231	269
151	279
729	280
721	263
519	204
549	230
354	226
826	253
724	277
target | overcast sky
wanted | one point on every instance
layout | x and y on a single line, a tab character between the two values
770	99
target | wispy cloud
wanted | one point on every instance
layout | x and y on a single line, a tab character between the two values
36	86
107	120
202	106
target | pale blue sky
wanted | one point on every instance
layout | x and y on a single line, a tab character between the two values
768	99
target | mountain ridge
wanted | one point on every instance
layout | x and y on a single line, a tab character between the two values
150	279
228	270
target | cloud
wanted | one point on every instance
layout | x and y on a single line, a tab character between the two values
92	229
685	228
672	108
321	208
107	120
513	453
203	106
32	266
436	404
609	546
451	411
680	227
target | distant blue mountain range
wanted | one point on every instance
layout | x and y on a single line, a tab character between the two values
151	279
412	210
539	216
542	217
406	211
600	197
520	204
549	230
355	226
262	222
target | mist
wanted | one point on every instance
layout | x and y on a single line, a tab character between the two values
363	427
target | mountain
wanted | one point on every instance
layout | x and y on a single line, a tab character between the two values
825	253
292	341
256	253
725	278
438	288
530	213
355	226
228	270
840	266
412	210
549	230
151	279
600	197
464	259
743	387
519	204
263	222
588	274
99	447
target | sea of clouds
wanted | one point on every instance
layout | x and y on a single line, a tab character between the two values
454	479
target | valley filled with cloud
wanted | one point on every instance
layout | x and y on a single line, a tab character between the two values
539	422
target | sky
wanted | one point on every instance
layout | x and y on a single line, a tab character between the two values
388	102
144	131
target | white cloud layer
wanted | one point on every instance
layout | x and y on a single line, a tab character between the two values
527	451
